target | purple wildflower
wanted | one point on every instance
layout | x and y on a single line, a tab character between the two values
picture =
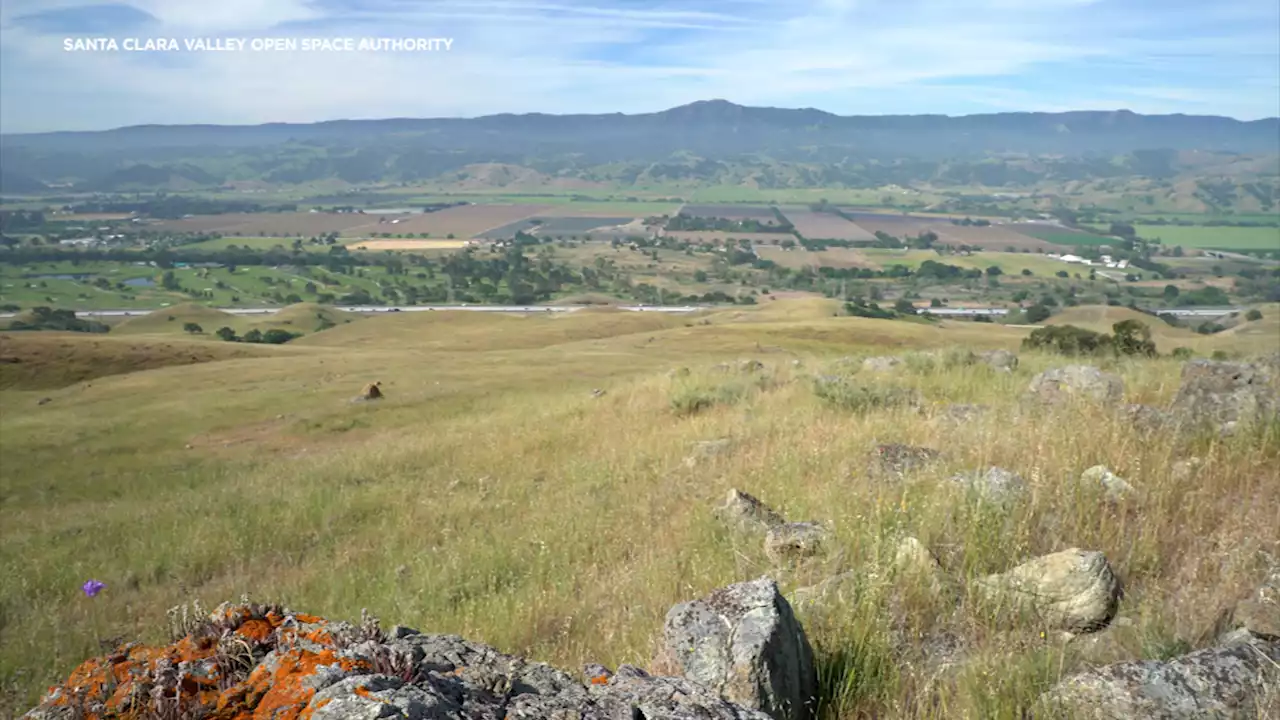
93	587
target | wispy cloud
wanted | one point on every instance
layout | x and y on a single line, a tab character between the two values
846	56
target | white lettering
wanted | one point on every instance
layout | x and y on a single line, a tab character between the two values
89	44
273	44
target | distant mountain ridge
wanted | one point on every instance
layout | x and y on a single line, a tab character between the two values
710	127
711	142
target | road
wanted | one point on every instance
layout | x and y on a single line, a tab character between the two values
410	308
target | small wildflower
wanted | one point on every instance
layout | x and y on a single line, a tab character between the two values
93	587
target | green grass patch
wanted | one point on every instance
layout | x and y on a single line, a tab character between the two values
1219	238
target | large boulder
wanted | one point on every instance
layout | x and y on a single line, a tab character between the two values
1076	382
745	644
1236	680
1226	394
1073	590
267	661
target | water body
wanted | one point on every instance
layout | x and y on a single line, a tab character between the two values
140	282
59	276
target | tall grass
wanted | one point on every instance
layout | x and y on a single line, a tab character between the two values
493	496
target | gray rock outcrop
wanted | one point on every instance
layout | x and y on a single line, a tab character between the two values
995	484
1076	382
744	643
792	542
1073	590
301	666
1226	394
897	460
1236	680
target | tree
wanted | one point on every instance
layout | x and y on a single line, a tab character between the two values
1133	338
904	307
192	328
1063	274
1038	314
994	271
226	333
169	282
1252	315
1171	292
253	336
1026	272
276	336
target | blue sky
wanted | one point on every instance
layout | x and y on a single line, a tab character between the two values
954	57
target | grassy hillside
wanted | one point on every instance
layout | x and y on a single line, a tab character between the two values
493	495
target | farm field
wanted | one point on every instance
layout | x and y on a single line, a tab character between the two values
306	224
1213	238
730	212
610	209
256	243
798	257
824	226
567	226
1058	235
993	237
463	222
719	238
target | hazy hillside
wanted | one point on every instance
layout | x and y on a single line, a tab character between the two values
712	141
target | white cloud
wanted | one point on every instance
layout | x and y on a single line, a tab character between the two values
849	56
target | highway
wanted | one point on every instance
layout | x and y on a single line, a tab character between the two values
410	308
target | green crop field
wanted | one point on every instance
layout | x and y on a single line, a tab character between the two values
1222	238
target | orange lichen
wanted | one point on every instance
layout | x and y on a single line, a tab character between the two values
600	680
119	685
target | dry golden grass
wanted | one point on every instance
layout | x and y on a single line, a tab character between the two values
491	495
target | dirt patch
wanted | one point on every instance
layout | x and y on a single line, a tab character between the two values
825	226
408	244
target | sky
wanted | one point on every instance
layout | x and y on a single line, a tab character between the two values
850	57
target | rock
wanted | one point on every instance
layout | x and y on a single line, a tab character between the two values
897	459
744	643
995	483
44	401
1060	385
750	366
915	561
1074	590
302	666
708	449
961	413
1226	394
597	393
881	364
790	542
1186	469
745	512
1229	681
1115	487
1002	360
1259	614
1146	419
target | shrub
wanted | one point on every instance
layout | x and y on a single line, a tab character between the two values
1037	314
192	328
1067	340
1133	338
1254	314
1182	353
253	336
226	333
44	318
276	336
845	394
